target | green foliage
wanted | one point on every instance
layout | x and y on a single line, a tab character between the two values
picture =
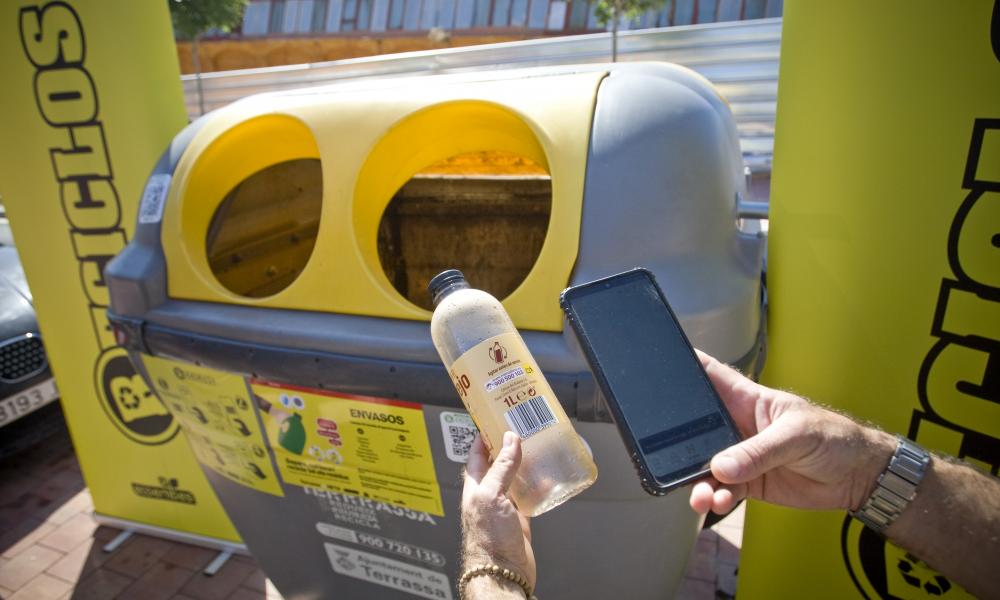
194	17
630	9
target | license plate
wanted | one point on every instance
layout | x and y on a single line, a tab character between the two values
27	401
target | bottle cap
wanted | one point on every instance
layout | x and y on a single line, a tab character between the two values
444	280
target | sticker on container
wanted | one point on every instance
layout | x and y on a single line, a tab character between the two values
378	542
153	198
214	411
458	430
373	448
388	572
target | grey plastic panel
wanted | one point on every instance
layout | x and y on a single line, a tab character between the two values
423	382
662	178
137	277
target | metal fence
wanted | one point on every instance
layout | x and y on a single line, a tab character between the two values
289	17
740	58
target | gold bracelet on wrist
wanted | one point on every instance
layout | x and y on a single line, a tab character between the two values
497	572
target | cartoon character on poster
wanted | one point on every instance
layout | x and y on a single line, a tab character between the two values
292	430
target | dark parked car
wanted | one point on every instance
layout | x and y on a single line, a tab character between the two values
28	408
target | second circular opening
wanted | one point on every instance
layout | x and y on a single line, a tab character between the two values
485	213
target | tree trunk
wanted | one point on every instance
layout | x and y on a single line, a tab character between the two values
616	16
196	60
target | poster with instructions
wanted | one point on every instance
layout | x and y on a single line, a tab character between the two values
214	411
374	448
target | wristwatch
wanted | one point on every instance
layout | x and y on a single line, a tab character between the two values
897	486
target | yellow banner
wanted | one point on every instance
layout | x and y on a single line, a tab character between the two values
884	268
91	98
370	447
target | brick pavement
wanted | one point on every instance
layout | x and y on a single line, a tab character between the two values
51	548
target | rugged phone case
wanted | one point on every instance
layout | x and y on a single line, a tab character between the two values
646	478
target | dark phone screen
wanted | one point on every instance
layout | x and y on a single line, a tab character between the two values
664	396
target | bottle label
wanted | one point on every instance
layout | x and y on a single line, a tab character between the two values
503	388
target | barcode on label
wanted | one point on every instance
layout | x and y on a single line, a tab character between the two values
529	417
151	207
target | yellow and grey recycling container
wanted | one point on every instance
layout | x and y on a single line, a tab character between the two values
273	297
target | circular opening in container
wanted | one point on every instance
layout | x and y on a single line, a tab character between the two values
485	213
262	234
252	204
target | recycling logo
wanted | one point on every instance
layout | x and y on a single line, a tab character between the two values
128	401
881	571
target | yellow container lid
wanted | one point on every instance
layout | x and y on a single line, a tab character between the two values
370	140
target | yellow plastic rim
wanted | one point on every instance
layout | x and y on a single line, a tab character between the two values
231	158
421	140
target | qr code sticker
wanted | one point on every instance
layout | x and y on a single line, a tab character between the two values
458	430
153	197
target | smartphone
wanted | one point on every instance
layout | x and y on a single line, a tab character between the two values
669	415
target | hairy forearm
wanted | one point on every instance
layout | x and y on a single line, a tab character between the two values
953	524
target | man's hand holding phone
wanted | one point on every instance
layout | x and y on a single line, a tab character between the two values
794	453
666	404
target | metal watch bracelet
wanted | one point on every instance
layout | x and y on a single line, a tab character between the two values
897	486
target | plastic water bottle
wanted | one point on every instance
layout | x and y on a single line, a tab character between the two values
504	390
